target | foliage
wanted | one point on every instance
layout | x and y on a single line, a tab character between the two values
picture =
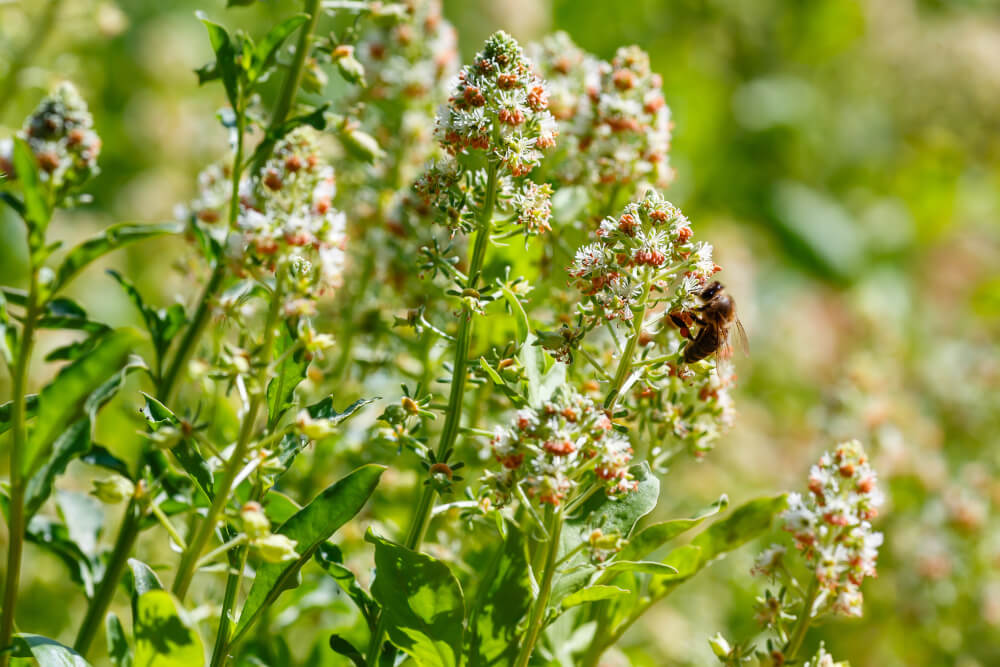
418	387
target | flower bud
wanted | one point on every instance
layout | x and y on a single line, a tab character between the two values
255	523
113	490
720	647
273	548
314	429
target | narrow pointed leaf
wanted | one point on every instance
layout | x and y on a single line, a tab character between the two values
62	401
289	373
652	537
593	594
119	650
112	238
266	52
309	527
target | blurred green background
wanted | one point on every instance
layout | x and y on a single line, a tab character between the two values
843	156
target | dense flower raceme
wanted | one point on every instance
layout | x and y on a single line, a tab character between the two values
499	105
683	405
285	215
408	63
409	60
60	133
613	114
649	242
551	450
831	527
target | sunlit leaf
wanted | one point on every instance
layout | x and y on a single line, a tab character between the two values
47	652
421	603
309	527
500	605
110	239
164	636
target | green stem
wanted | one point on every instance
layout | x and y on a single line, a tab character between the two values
802	624
191	555
293	81
220	654
459	375
625	364
17	521
537	621
128	533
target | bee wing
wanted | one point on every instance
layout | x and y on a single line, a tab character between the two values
741	337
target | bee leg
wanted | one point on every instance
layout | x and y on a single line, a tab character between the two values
681	325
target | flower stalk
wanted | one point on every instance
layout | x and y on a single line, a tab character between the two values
18	520
536	622
198	542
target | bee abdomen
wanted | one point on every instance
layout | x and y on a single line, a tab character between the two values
704	344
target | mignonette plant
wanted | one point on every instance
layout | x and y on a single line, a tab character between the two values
352	242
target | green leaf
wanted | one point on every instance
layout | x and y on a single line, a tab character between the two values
62	401
309	527
53	537
652	537
421	603
266	52
225	65
494	376
84	519
542	384
47	652
593	594
644	566
331	560
162	325
164	636
71	443
119	650
75	441
112	238
185	451
8	334
7	410
610	515
37	211
143	578
745	523
520	317
290	372
502	602
345	648
143	581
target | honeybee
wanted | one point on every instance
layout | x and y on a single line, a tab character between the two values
716	317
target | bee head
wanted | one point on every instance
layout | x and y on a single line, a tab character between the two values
712	290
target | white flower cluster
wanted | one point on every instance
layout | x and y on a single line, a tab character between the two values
499	105
689	405
285	215
650	238
832	528
551	450
410	59
60	133
613	114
